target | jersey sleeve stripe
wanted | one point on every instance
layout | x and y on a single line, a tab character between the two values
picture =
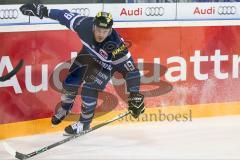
126	57
72	22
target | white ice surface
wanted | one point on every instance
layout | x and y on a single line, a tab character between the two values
204	138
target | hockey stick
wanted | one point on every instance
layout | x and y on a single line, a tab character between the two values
26	156
13	72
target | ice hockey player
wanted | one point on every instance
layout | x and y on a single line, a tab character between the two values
103	53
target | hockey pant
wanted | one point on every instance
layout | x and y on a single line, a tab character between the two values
93	79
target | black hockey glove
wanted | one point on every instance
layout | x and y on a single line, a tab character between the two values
34	9
136	104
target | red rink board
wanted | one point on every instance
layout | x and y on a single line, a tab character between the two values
43	50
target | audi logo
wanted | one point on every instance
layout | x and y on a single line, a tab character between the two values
227	10
9	13
154	11
81	11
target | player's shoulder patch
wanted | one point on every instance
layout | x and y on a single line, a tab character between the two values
119	50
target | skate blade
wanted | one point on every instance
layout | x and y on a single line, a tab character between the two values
67	134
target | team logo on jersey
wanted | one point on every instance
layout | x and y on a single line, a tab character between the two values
103	53
110	46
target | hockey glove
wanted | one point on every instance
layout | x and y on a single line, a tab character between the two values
34	9
136	104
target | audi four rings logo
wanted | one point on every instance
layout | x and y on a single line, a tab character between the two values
154	11
81	11
227	10
9	13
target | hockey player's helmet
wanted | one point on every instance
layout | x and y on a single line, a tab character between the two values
103	20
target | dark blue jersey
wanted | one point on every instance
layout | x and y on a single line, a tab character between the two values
111	54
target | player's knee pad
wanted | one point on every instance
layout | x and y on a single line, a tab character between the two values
67	99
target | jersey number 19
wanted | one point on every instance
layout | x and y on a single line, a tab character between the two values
129	66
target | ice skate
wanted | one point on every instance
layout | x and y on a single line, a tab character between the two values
59	116
76	128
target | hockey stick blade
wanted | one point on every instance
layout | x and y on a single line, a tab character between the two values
13	72
22	156
13	152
